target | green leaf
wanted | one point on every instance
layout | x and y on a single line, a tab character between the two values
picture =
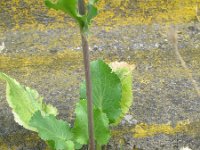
68	6
48	109
70	145
91	10
51	129
24	102
71	7
124	72
77	145
51	144
101	125
80	129
106	90
92	2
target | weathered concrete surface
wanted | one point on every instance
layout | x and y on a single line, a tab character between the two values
46	55
24	13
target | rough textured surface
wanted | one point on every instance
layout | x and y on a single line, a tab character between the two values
47	56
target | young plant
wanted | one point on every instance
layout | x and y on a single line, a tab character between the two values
106	94
112	95
76	9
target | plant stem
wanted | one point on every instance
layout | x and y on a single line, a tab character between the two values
174	40
85	47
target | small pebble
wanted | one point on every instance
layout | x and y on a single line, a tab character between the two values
185	148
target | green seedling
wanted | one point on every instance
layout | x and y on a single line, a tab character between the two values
105	95
112	95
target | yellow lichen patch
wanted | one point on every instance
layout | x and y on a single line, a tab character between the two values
144	130
147	12
3	146
20	60
23	13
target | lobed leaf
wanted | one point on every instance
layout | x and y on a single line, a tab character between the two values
24	102
53	130
106	90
